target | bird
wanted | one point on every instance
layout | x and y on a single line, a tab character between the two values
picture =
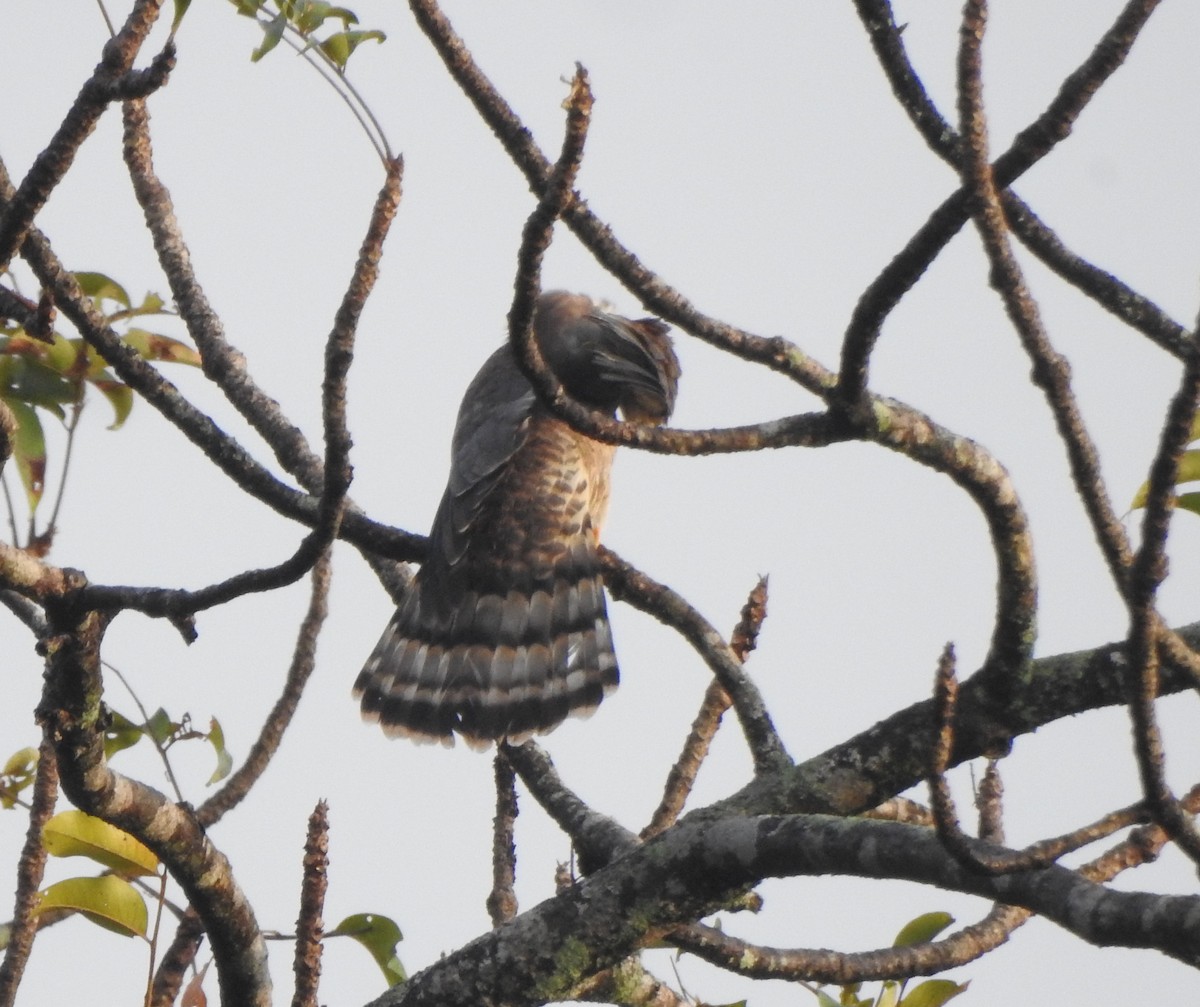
503	632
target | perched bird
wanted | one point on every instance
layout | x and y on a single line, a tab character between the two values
503	632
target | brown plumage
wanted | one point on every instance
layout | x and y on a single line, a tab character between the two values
503	632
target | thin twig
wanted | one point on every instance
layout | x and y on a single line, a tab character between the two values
597	838
271	734
629	584
179	956
29	877
160	748
1031	145
502	900
112	80
310	926
1148	571
682	776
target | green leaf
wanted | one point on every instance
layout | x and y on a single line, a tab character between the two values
311	15
1189	471
889	994
21	763
75	833
922	929
181	8
29	451
151	304
103	288
825	1000
216	738
120	734
340	46
120	397
154	346
59	354
1188	501
160	727
272	33
32	381
379	935
17	774
933	993
65	355
109	901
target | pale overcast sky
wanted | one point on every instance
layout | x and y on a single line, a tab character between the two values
754	156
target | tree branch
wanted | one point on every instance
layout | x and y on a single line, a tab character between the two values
71	716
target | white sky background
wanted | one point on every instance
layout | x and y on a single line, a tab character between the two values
754	156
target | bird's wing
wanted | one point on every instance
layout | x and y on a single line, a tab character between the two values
493	423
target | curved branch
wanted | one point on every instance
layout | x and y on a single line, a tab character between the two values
685	873
1030	146
1148	571
223	451
29	877
757	961
597	838
656	295
112	80
223	364
70	714
629	584
980	474
267	743
682	775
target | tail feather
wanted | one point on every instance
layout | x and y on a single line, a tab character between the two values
503	668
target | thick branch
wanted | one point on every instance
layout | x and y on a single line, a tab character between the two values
685	873
71	716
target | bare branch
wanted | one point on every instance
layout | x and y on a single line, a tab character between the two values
1030	146
609	914
70	715
225	452
181	953
223	364
267	743
963	946
1148	570
597	838
777	353
913	434
502	901
111	81
336	468
716	701
310	926
629	584
29	877
823	966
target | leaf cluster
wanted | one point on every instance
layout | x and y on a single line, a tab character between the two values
50	375
307	19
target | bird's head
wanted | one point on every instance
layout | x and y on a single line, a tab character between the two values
607	361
